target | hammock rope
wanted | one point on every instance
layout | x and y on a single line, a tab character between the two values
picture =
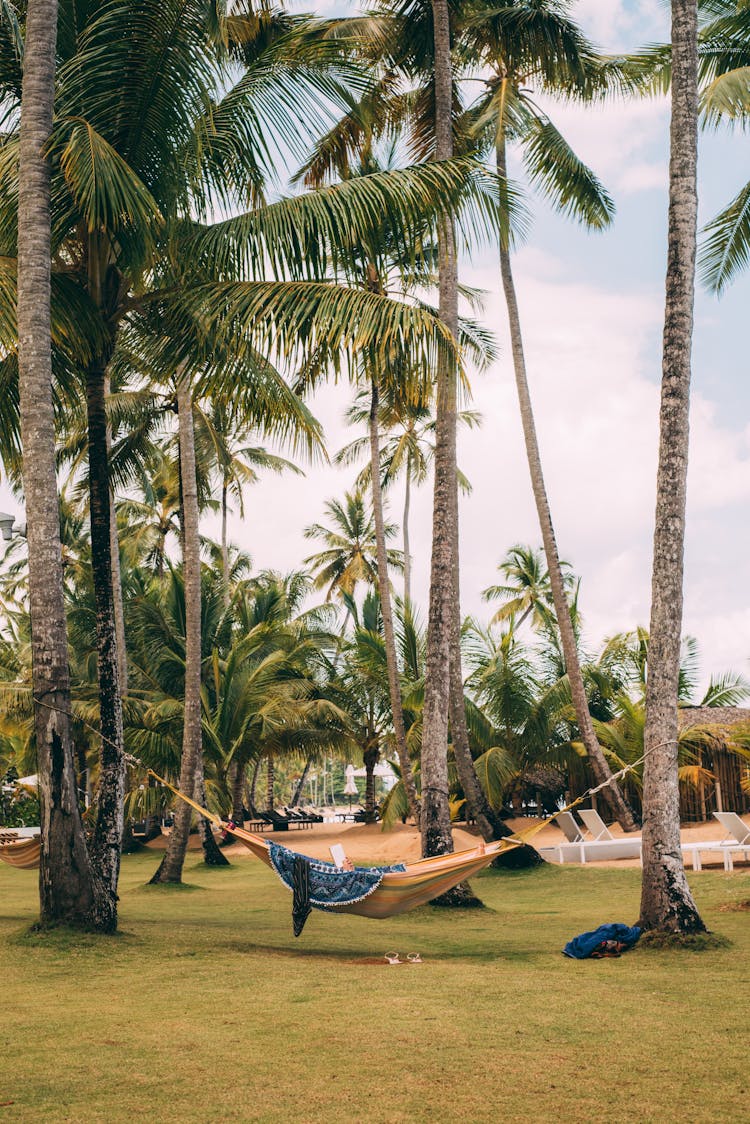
399	891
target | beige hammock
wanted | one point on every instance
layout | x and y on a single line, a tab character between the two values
401	890
23	853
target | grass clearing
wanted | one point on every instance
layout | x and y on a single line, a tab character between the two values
205	1005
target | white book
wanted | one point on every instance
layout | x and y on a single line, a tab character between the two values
338	854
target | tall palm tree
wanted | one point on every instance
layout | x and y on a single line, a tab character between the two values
170	870
69	891
406	431
221	437
523	42
350	554
348	151
723	59
133	167
666	901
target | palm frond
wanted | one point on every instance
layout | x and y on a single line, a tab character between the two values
726	251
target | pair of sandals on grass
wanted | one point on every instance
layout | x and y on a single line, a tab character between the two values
411	958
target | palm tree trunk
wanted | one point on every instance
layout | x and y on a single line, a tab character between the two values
370	758
389	635
224	547
269	783
436	829
212	853
114	548
122	654
174	857
301	784
107	838
666	901
599	767
443	628
407	545
69	891
238	790
251	805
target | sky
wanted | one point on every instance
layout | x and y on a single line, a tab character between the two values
592	311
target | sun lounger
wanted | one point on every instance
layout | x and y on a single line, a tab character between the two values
595	824
727	851
736	843
738	830
600	850
568	826
277	822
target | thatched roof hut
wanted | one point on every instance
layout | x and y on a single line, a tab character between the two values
730	789
722	717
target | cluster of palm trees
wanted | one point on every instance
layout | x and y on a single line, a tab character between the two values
147	275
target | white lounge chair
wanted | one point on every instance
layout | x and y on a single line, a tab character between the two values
595	824
601	850
727	852
738	830
570	829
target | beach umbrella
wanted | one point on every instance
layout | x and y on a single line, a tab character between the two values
350	788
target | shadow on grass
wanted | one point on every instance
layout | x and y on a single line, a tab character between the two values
165	887
67	938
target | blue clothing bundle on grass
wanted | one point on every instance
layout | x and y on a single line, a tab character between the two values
607	940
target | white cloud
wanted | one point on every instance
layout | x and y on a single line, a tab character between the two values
623	25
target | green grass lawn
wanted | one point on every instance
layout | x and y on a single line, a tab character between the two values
206	1006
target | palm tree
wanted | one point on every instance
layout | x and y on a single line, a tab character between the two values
69	890
170	869
350	554
523	42
526	592
221	437
666	901
406	429
723	58
133	168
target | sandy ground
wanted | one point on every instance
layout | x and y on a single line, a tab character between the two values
368	843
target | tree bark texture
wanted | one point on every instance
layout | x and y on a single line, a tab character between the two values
69	891
301	784
212	853
407	544
666	901
107	839
192	740
270	778
251	806
599	767
238	775
371	756
436	829
226	593
389	634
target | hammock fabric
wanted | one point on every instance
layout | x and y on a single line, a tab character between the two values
397	890
24	853
322	884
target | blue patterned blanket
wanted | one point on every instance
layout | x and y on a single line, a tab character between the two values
329	886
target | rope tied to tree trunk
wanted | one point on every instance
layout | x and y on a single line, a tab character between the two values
135	762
